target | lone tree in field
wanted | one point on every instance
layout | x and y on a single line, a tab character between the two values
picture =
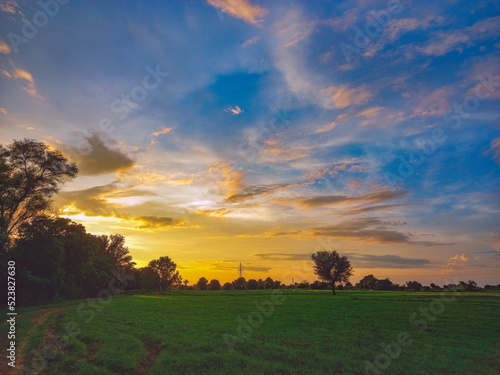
166	270
331	267
30	173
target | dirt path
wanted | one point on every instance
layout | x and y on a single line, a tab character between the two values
38	317
153	350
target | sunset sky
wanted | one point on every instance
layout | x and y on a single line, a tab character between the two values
227	131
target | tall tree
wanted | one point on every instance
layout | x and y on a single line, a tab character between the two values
30	173
166	270
331	267
114	247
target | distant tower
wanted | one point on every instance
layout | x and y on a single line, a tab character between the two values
240	270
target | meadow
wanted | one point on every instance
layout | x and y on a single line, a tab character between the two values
263	332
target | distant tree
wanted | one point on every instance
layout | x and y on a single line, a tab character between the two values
331	267
414	285
384	284
348	285
261	284
319	285
240	283
227	286
214	285
114	247
186	282
277	284
368	282
202	283
252	284
269	283
166	270
435	287
30	173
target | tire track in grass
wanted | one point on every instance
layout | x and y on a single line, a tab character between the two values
153	350
38	317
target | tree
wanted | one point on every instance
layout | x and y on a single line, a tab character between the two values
202	283
331	267
368	282
269	283
227	286
240	283
384	284
214	285
30	173
252	284
186	282
414	285
166	270
114	247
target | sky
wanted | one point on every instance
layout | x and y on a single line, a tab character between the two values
226	131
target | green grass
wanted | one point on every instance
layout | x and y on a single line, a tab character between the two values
311	332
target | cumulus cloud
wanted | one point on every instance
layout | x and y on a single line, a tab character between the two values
100	159
241	9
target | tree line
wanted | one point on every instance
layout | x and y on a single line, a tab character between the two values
57	259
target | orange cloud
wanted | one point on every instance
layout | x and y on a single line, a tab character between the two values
236	110
326	128
4	47
229	179
276	153
343	96
241	9
164	130
23	74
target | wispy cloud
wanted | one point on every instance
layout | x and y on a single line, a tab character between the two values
23	74
164	130
241	9
251	41
4	47
344	96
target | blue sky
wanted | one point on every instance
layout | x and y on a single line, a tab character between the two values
222	131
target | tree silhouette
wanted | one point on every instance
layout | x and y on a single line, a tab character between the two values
331	267
214	285
30	173
114	247
166	270
202	283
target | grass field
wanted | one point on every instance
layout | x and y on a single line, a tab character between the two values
309	332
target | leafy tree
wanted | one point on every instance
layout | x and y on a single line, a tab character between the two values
240	283
227	286
368	282
114	247
384	284
166	270
202	283
30	173
269	283
414	285
186	282
331	267
146	278
252	284
214	285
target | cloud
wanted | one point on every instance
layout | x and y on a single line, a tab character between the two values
3	110
236	110
363	229
343	96
385	261
276	153
156	222
101	159
495	149
164	130
23	74
460	261
228	179
283	256
9	6
251	41
4	47
326	128
457	40
241	9
97	201
218	212
327	200
232	265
